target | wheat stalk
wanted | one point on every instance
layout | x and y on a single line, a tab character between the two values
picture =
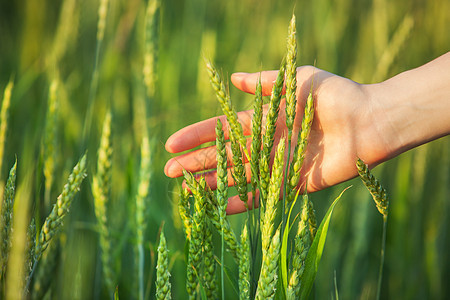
141	208
42	276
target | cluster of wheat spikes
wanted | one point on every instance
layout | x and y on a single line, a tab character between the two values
259	275
286	266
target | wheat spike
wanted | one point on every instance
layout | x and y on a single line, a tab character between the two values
256	134
225	102
291	77
268	278
270	209
268	139
6	220
53	222
378	193
163	287
300	149
244	264
101	189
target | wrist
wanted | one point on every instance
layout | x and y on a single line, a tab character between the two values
411	108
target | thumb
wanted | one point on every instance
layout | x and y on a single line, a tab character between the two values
246	82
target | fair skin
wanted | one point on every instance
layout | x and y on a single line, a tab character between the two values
374	122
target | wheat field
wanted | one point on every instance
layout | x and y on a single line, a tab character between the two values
91	90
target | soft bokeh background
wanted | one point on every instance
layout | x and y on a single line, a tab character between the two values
367	41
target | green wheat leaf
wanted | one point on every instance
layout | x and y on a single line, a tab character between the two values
316	250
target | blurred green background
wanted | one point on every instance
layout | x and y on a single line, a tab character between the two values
367	41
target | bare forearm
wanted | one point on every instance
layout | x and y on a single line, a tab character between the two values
414	106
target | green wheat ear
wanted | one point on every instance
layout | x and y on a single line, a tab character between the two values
269	134
225	103
291	77
300	148
53	222
268	278
239	175
50	138
101	187
4	118
184	210
217	216
197	232
256	135
6	220
378	193
270	207
151	46
302	243
209	264
222	175
163	287
244	264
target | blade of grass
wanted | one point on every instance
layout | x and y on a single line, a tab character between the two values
316	250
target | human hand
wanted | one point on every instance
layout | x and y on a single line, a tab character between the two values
343	129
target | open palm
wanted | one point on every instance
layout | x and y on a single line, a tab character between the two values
343	129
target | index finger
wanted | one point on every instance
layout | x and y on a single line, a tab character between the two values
246	82
203	132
